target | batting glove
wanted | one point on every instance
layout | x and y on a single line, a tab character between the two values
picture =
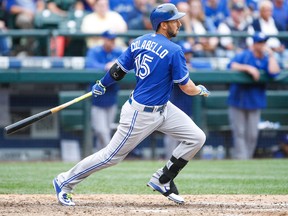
98	89
203	91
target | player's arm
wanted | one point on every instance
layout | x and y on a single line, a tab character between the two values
182	78
114	74
273	66
253	71
191	89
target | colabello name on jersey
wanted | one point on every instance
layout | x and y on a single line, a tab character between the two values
151	46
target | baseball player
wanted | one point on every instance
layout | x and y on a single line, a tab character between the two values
157	63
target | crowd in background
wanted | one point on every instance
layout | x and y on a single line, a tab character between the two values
224	17
96	16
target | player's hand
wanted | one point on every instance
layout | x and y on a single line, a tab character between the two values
98	89
254	72
203	91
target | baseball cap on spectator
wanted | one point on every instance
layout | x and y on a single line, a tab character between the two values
109	35
238	6
260	37
186	46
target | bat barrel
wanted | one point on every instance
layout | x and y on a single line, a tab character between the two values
25	122
30	120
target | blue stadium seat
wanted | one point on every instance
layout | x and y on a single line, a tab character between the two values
42	62
201	64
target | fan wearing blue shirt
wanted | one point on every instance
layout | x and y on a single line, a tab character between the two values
245	101
216	10
104	109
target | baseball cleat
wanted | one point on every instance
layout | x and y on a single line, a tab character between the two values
168	189
63	197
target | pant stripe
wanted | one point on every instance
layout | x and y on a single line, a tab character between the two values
109	158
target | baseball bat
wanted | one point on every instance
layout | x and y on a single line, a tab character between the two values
34	118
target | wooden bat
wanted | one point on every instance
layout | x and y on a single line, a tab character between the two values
34	118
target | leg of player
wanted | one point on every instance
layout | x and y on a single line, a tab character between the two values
134	127
181	127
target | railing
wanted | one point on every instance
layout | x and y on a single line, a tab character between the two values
50	33
85	76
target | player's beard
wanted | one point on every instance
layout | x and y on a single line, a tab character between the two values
171	33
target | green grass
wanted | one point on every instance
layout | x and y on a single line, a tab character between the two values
130	177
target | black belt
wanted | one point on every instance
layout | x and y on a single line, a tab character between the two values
151	108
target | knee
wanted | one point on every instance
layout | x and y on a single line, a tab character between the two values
201	138
198	140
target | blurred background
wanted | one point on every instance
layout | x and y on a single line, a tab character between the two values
52	50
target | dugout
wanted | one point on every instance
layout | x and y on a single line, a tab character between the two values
46	79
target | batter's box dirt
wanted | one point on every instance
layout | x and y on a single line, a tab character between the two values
124	204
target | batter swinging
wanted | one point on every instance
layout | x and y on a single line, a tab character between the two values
158	63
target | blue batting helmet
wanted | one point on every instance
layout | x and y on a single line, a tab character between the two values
164	12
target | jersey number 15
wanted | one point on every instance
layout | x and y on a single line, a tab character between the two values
142	65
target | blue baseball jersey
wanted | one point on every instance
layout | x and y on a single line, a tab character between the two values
158	63
249	96
97	58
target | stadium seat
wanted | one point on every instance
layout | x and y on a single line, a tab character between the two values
47	20
201	63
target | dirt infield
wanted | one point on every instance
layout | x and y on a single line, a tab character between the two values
228	205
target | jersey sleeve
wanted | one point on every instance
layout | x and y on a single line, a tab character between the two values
125	60
180	73
92	60
239	58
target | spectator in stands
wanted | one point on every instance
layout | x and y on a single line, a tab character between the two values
64	8
24	12
179	99
175	2
138	18
252	4
123	7
85	5
184	6
199	24
266	24
67	15
22	17
104	109
252	10
234	23
280	13
70	9
248	14
4	44
245	101
61	8
103	19
216	10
